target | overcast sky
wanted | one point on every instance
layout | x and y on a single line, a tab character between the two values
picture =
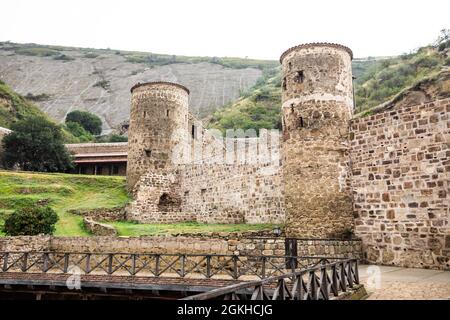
242	28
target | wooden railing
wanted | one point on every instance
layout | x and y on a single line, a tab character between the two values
321	282
207	266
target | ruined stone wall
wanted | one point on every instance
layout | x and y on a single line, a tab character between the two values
158	127
242	184
401	171
317	106
100	214
97	228
157	199
214	180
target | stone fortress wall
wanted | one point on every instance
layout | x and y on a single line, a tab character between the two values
384	178
401	184
188	173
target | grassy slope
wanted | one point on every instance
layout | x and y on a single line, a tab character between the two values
64	192
387	78
14	107
260	106
256	109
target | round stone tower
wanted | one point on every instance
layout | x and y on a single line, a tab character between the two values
317	104
158	126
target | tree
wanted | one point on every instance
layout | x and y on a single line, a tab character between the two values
78	131
36	144
90	122
31	221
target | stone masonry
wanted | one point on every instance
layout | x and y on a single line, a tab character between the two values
401	171
383	177
158	124
179	171
317	105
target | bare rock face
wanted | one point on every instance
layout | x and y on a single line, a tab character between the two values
100	83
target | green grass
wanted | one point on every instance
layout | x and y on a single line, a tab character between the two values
134	229
63	192
387	78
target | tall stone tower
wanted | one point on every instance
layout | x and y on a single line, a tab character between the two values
317	104
158	126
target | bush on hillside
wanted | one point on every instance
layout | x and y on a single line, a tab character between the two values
90	122
78	131
31	221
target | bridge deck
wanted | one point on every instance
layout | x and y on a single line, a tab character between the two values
110	285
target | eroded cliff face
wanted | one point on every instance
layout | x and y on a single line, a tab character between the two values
100	83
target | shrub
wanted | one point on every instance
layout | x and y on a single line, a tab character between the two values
90	55
31	221
103	84
37	97
78	131
90	122
63	57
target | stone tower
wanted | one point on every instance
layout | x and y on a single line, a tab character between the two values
158	127
317	104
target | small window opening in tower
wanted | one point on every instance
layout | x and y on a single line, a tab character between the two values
300	76
203	192
148	152
290	65
145	114
167	113
193	131
292	108
284	83
300	122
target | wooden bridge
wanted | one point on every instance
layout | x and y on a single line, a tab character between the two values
80	275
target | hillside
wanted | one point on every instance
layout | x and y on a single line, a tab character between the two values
15	107
434	87
384	80
61	79
412	78
226	92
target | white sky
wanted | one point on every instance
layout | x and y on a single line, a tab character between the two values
257	29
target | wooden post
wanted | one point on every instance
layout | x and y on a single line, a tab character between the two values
208	266
133	264
5	262
110	262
